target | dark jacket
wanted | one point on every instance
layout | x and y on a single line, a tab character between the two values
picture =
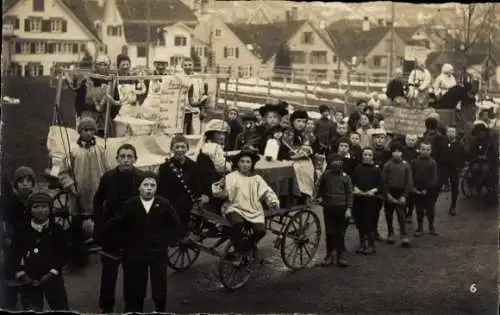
325	130
40	252
146	234
409	154
455	155
395	88
438	143
335	189
235	130
14	214
266	133
115	188
349	164
207	172
171	188
381	156
367	177
397	176
425	176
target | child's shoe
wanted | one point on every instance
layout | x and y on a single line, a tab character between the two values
405	242
328	261
433	232
342	263
418	233
390	239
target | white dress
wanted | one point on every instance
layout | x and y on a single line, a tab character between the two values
245	195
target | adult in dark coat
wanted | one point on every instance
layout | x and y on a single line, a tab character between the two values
148	224
396	88
115	188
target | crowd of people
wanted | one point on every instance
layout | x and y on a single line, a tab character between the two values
352	167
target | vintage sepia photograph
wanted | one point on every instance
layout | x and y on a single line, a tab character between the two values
250	157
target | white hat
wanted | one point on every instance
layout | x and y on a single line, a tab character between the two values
216	125
446	68
103	59
160	58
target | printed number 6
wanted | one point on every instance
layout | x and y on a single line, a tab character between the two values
473	288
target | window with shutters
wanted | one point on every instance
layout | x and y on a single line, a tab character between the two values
141	51
218	33
83	48
318	58
114	30
231	52
25	48
40	47
200	50
38	5
56	25
75	48
12	20
180	41
33	25
318	74
335	59
16	69
245	71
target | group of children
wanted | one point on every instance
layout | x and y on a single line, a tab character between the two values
137	214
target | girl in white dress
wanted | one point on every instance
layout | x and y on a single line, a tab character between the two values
245	193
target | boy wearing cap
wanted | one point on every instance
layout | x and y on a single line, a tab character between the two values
116	186
398	184
148	224
80	173
272	115
15	216
41	251
335	195
325	129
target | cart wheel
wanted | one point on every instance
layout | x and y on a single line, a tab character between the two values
234	271
182	256
466	188
300	240
60	208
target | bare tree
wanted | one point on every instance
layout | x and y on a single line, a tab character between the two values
468	27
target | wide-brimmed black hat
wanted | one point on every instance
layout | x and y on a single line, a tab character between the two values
277	108
252	154
248	117
299	114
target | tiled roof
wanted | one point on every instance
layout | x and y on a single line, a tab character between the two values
453	57
137	33
356	42
75	6
94	11
161	10
266	38
406	32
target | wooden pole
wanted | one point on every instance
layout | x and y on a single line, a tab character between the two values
148	32
391	59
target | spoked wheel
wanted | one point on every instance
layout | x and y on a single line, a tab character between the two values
182	256
235	269
300	240
60	208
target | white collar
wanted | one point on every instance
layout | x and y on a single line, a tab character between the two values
39	227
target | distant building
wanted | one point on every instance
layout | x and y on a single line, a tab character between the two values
122	25
46	33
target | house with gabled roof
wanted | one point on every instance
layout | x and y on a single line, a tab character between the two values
124	24
371	45
253	48
46	33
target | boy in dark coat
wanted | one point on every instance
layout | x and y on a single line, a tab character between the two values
115	188
325	129
367	183
148	224
455	155
14	217
425	185
380	156
335	193
179	180
410	153
41	252
398	184
235	127
349	162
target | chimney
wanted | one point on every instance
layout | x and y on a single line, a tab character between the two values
295	14
366	24
322	24
288	15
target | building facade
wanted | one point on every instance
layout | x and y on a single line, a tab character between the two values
44	34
